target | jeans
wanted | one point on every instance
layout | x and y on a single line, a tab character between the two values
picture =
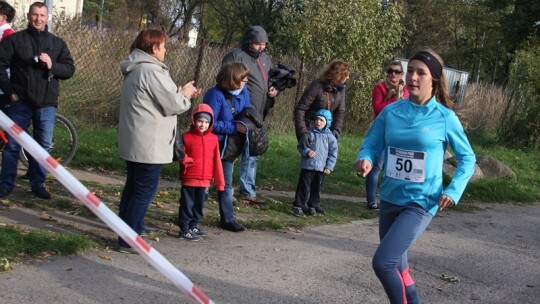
225	197
141	185
372	179
399	227
248	173
42	120
192	201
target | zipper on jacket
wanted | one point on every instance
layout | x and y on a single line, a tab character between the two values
262	69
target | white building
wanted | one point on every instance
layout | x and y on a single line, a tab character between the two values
71	8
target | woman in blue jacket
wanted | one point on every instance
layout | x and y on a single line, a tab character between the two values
414	134
228	98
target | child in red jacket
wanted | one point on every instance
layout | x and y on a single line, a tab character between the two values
201	164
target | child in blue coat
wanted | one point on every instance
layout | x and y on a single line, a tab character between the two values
318	159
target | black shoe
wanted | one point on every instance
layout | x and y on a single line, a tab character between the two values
190	236
199	231
128	250
297	211
232	226
4	192
319	210
146	231
41	193
312	211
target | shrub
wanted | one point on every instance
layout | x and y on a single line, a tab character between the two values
520	123
483	106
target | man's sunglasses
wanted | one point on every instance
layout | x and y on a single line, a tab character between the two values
390	71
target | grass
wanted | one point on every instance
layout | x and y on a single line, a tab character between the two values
18	244
278	169
525	163
163	212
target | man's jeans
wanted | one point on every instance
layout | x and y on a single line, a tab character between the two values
142	181
372	179
42	120
248	173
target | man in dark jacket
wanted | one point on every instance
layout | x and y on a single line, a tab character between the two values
38	60
252	54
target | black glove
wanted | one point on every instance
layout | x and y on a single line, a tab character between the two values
336	134
304	141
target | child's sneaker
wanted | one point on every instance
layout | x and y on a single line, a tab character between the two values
297	211
190	236
312	211
373	205
319	210
199	231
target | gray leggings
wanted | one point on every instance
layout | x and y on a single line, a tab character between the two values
399	227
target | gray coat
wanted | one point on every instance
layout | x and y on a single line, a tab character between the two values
258	64
149	104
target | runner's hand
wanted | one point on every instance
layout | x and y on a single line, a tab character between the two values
363	166
444	202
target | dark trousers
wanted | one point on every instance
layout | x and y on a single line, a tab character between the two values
141	185
308	191
192	201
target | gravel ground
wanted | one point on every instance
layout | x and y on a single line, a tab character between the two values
494	252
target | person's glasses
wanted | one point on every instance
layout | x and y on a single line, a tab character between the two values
390	71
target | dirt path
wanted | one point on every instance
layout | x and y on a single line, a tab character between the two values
494	252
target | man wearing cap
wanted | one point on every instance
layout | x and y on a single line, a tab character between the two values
252	54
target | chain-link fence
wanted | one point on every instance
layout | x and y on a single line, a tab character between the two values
92	96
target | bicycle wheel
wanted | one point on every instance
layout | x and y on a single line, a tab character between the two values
64	143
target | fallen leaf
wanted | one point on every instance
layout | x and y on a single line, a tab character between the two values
451	279
153	238
46	217
104	257
5	265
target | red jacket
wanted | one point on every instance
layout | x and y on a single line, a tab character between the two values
379	100
202	160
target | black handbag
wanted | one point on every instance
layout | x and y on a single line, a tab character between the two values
178	147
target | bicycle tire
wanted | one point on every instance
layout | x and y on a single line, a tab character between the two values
65	142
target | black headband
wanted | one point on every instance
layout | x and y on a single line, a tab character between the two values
434	66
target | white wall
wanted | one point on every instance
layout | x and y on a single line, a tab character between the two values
71	8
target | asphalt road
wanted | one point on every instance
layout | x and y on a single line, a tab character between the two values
494	252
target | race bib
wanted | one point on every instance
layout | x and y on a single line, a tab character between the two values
406	165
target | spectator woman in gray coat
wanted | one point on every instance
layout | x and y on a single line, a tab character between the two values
149	104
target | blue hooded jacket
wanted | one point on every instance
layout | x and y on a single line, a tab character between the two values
323	143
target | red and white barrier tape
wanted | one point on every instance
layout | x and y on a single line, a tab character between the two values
152	256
